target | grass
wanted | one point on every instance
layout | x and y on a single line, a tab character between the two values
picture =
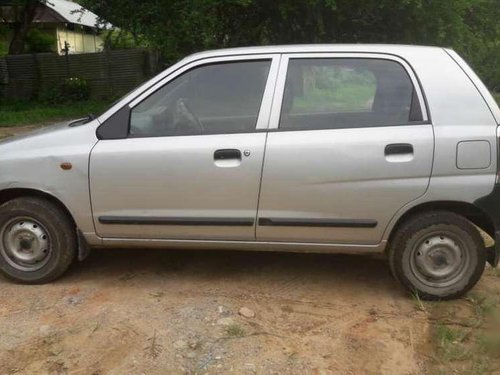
28	113
419	305
451	346
234	330
483	306
495	272
467	345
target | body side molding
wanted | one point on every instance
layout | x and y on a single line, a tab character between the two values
335	223
152	220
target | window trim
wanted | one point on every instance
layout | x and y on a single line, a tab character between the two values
283	70
265	105
266	101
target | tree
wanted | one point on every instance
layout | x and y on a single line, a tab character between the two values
180	27
22	12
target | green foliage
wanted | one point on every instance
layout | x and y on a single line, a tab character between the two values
39	41
75	89
4	48
28	113
4	40
180	27
121	39
70	90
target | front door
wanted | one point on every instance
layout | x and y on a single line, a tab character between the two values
352	145
191	165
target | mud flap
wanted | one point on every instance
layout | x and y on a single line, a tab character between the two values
493	252
83	247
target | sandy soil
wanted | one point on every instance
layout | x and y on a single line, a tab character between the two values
162	312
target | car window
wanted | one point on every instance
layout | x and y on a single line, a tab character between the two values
211	99
344	93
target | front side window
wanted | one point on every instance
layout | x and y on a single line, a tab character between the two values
211	99
347	93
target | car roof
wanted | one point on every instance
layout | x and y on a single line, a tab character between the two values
313	48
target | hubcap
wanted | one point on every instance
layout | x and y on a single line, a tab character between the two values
439	260
26	244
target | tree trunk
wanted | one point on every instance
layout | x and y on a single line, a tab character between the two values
22	26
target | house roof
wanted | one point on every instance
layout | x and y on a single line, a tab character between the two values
74	13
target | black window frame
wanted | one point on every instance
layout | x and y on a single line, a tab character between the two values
416	84
114	128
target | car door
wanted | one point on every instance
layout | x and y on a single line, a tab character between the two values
190	164
350	143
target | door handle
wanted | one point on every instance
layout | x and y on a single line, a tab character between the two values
398	149
227	153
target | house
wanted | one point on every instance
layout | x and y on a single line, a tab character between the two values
72	28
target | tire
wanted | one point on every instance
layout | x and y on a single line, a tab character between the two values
439	255
37	240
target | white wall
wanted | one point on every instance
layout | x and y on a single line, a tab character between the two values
79	41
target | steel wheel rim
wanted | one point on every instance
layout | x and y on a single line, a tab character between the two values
439	259
26	244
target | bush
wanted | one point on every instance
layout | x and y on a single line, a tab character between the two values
38	41
70	90
4	39
75	89
121	39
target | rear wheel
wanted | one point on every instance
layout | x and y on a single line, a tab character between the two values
37	240
439	255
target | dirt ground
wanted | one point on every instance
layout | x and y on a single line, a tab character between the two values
162	312
178	312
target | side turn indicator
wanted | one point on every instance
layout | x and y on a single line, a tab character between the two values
66	166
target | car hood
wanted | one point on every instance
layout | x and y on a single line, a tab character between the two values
42	131
56	136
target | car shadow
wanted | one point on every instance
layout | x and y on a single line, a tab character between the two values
273	273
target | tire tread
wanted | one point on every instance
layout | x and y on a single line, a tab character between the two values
61	221
425	221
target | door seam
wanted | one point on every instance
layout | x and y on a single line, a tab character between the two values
90	189
265	148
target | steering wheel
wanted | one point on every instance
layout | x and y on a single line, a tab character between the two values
184	117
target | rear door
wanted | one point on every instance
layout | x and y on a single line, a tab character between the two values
350	143
191	162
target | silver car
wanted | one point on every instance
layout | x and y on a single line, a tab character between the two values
314	148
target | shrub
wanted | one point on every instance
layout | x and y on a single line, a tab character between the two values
70	90
4	39
38	41
75	89
121	39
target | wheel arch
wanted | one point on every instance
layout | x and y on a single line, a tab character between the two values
12	193
468	210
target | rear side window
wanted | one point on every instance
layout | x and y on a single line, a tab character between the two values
347	93
210	99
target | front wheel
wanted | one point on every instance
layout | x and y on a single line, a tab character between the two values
439	255
37	240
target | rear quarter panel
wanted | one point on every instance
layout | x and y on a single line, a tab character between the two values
459	113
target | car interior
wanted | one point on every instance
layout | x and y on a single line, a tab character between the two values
394	100
213	99
225	98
